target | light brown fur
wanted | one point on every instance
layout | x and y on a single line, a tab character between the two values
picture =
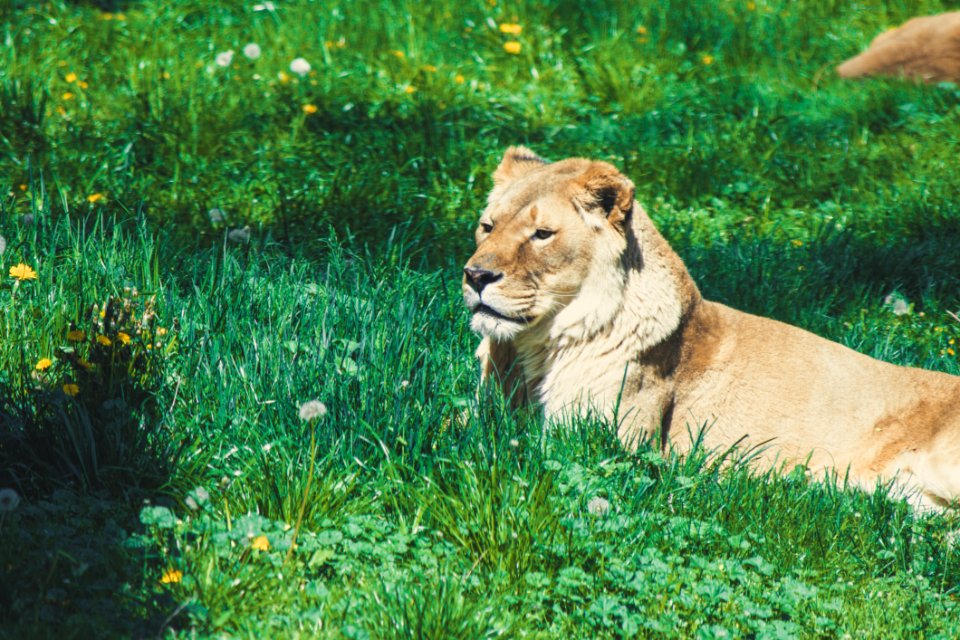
583	304
925	48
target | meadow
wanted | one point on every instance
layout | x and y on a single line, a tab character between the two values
237	388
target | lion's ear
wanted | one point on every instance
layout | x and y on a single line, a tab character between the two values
608	192
516	162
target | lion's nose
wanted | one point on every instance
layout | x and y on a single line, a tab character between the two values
480	278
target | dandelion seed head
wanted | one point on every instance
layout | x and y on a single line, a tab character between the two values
224	58
9	499
598	506
300	66
239	236
312	409
216	215
3	245
252	51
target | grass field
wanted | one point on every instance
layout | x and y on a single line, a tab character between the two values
219	238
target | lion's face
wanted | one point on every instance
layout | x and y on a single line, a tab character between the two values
549	245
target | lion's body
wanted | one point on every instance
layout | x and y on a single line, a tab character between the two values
926	48
612	321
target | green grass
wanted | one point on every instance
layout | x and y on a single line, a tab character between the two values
428	512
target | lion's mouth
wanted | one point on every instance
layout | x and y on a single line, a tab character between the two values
493	313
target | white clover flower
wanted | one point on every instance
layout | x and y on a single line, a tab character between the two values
9	499
224	58
252	50
312	409
598	506
300	66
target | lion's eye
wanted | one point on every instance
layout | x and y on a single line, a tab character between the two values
543	234
486	227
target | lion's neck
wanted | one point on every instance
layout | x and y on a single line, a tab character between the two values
618	317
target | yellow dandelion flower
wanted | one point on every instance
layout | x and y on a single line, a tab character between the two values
283	77
951	341
171	576
85	364
123	337
75	335
43	364
82	84
409	89
511	28
67	96
161	331
93	198
60	110
797	242
260	543
512	47
459	79
641	30
429	68
951	352
396	53
120	17
106	16
309	109
104	340
71	389
751	6
71	77
23	187
706	59
22	272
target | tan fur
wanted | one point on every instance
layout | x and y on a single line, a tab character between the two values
604	315
926	48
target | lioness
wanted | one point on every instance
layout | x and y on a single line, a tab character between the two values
926	48
582	303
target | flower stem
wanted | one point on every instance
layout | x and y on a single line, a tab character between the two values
306	491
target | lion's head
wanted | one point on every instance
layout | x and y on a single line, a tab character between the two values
550	248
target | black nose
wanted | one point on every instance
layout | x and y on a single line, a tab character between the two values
479	278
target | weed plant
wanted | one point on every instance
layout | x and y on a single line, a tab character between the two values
196	243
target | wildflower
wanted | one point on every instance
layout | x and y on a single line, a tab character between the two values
641	30
71	77
240	236
897	304
252	51
309	109
751	6
75	335
94	198
260	543
161	331
104	340
429	68
171	576
396	53
511	28
123	338
224	58
459	79
598	506
312	409
797	242
951	352
409	89
512	47
43	364
71	389
67	96
706	59
283	77
23	187
266	6
216	215
22	272
9	499
84	85
300	66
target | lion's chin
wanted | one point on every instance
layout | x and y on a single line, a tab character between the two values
495	326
